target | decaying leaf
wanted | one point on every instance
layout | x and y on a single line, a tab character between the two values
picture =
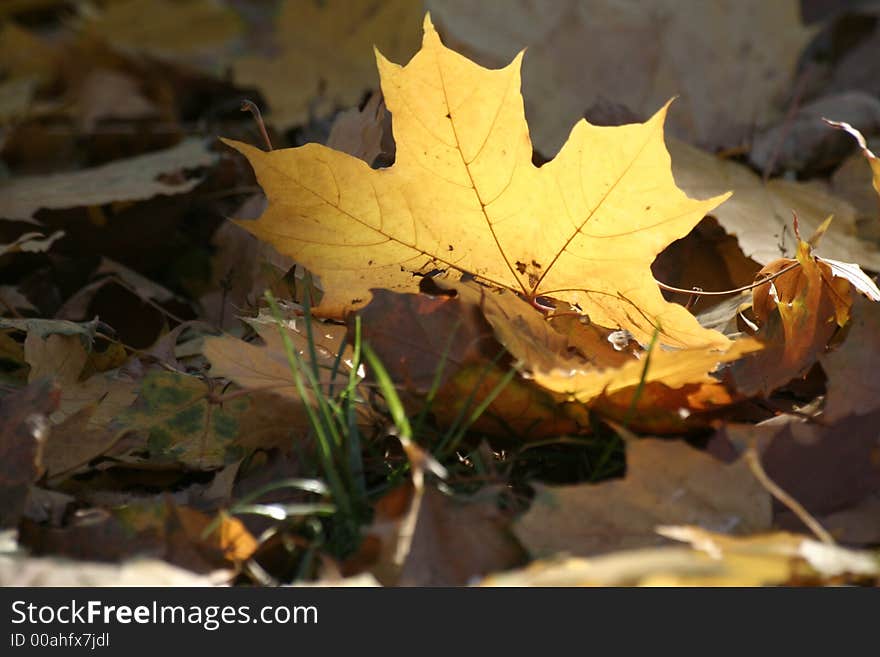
853	368
24	427
266	367
666	482
326	56
463	194
180	424
798	311
638	55
134	179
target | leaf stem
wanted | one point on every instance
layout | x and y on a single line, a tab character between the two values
766	279
251	106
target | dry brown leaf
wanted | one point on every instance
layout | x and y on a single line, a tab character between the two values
759	214
853	368
666	482
454	541
464	194
326	59
421	536
267	367
133	179
111	95
242	268
730	60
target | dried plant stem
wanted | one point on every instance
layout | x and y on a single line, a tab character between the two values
754	461
251	106
766	279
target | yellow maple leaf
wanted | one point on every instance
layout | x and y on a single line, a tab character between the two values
463	194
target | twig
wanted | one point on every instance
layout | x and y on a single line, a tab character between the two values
766	279
754	461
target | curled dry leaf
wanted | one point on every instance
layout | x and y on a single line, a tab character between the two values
688	371
583	229
31	243
873	160
798	312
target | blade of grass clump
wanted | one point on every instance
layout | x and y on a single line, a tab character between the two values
325	449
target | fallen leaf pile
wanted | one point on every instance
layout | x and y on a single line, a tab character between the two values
574	319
